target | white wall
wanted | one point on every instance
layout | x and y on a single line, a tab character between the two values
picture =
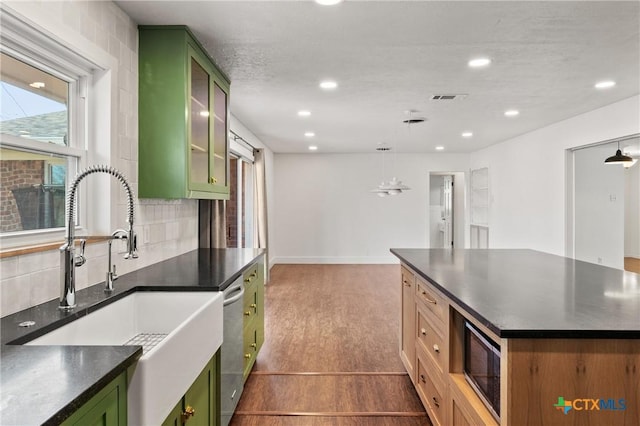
527	176
632	212
599	207
326	214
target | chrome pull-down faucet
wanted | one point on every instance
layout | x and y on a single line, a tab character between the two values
119	234
68	258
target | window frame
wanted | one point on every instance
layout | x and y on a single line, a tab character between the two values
32	46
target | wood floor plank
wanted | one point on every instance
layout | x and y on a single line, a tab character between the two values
329	394
330	355
632	264
242	420
331	318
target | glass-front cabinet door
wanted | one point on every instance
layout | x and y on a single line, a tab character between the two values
183	117
220	136
200	134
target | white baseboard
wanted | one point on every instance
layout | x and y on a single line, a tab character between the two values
384	260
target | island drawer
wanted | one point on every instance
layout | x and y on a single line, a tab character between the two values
430	339
432	300
432	390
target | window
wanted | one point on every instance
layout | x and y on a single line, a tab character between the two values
38	147
239	210
45	88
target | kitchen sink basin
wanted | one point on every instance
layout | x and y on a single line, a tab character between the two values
179	332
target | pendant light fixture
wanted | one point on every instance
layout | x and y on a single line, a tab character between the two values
394	186
620	158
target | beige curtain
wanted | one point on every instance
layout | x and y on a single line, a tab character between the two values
261	234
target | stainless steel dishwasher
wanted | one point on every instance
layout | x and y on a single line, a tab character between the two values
232	362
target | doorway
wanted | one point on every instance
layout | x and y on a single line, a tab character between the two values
446	210
606	206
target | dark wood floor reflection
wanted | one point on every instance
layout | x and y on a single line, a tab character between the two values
331	351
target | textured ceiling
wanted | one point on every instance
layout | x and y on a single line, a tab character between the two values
392	56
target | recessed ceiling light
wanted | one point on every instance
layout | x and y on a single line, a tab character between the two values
309	134
439	148
304	113
328	2
37	84
313	148
467	134
605	84
511	113
328	85
479	62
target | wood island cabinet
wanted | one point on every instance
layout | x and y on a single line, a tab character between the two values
534	372
183	118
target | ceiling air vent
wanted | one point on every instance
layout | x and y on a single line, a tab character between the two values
383	148
447	97
414	120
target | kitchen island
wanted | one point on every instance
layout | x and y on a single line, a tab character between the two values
567	333
46	384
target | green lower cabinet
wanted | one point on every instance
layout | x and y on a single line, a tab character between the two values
253	327
200	405
107	408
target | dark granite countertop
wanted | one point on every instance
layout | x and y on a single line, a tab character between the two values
530	294
46	384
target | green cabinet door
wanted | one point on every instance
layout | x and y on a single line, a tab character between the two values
107	408
253	306
175	417
201	403
183	117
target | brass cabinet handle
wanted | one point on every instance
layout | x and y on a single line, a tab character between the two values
424	294
436	348
423	331
247	313
188	413
213	180
435	402
406	283
424	379
254	345
247	356
253	305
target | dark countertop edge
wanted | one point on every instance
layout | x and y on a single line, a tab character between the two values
84	396
522	334
450	295
118	294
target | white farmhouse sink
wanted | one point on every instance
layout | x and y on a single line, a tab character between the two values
189	325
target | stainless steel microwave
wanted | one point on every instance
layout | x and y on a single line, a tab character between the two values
482	367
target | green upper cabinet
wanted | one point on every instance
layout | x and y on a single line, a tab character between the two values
184	118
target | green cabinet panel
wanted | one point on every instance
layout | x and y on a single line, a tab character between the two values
253	306
107	408
183	118
200	405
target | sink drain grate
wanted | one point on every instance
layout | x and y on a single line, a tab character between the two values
147	340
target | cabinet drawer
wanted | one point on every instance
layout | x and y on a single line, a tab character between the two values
250	275
432	392
431	340
250	348
250	302
408	279
432	300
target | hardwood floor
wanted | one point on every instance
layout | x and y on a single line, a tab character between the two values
330	355
632	264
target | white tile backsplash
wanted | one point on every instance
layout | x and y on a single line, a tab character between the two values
32	279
